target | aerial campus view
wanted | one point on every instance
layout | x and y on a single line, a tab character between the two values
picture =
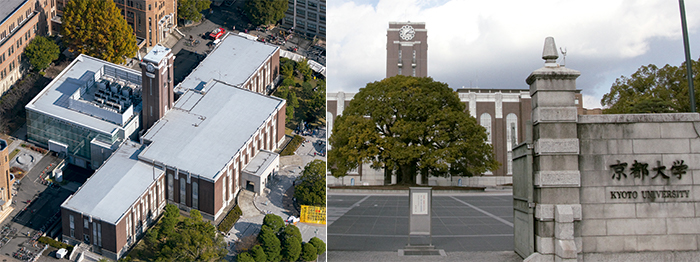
194	130
164	130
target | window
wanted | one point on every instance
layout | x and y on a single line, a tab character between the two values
86	223
195	195
128	225
149	7
162	192
183	188
72	225
99	234
170	187
414	56
414	72
511	138
486	123
94	231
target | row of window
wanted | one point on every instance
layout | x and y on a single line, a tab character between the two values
511	134
311	5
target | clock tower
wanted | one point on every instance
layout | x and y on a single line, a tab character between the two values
407	49
157	85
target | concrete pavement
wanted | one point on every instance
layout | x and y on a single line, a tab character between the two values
272	200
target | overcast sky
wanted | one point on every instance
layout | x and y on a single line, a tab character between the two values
497	44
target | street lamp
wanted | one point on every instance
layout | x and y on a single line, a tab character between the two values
688	60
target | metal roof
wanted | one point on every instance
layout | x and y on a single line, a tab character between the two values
234	60
204	130
54	99
115	186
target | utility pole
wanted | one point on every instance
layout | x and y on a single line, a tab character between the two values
688	60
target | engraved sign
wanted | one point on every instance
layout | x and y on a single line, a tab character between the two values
420	203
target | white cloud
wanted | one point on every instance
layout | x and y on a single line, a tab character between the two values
498	43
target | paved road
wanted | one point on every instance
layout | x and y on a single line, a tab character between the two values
461	222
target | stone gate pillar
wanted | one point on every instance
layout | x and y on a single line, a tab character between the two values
556	176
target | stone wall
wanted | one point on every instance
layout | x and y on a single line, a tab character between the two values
627	206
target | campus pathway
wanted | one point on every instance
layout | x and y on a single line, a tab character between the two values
272	200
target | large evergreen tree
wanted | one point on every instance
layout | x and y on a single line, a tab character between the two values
409	124
192	9
652	90
41	51
265	12
97	28
311	188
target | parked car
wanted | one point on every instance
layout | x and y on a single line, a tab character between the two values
216	33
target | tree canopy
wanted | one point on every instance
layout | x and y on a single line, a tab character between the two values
191	239
311	185
652	90
319	245
265	12
406	124
41	51
192	9
270	243
97	28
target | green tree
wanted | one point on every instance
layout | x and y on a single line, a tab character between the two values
245	257
198	241
313	101
265	12
97	28
409	124
275	222
311	185
290	231
291	249
41	51
169	221
285	93
258	254
192	9
308	252
287	68
304	69
270	243
652	90
319	244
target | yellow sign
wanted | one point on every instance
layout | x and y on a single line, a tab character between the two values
312	214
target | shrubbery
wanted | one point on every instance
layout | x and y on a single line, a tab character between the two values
282	242
230	219
292	146
56	244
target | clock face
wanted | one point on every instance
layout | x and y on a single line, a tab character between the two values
150	68
406	32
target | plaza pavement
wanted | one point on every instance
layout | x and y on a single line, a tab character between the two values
374	226
275	200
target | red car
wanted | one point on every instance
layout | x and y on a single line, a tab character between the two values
216	33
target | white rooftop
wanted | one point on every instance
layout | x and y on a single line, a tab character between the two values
156	54
59	96
234	60
260	162
203	131
115	186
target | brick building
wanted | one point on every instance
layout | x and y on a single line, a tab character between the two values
503	112
22	20
151	20
216	138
